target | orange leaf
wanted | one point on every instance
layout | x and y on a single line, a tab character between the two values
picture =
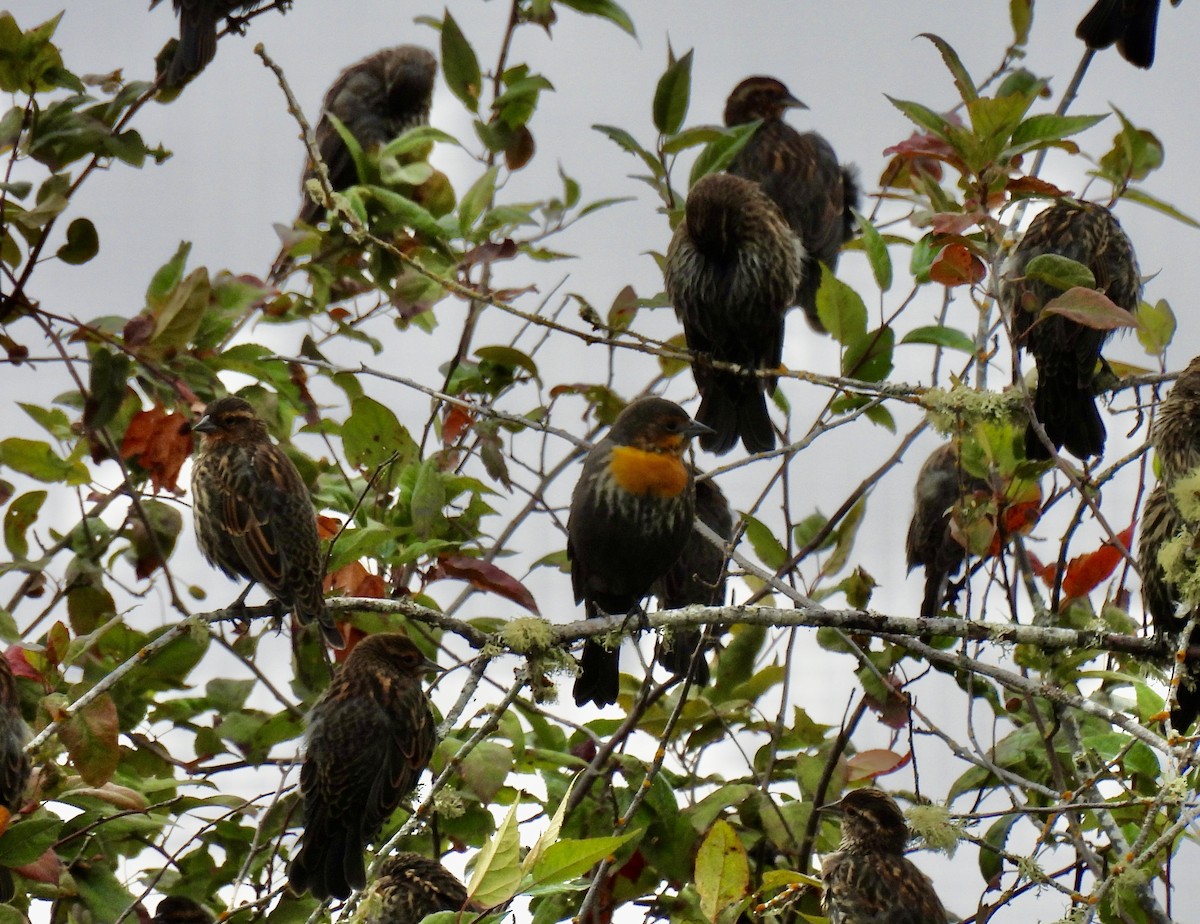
455	424
1087	571
158	442
1046	572
327	527
485	576
356	581
955	265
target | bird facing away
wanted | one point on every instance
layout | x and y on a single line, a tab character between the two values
731	271
198	21
1065	351
1129	23
1175	434
411	886
254	516
801	174
1161	522
869	880
14	762
378	99
177	909
369	737
941	484
698	576
631	515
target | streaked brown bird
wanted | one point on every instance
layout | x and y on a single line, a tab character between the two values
1065	351
370	736
411	886
631	515
1161	522
1131	24
178	909
731	271
1175	434
801	174
254	516
869	880
698	576
198	21
14	763
931	544
377	99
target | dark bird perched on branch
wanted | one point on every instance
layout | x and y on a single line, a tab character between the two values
731	271
411	886
1129	23
198	21
177	909
1066	352
631	515
378	99
941	484
254	516
869	880
698	576
1161	522
1175	434
14	763
801	174
369	737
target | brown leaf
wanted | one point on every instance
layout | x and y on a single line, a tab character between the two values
1034	186
485	576
356	581
456	422
91	740
1090	308
955	265
520	150
47	868
489	252
158	442
875	762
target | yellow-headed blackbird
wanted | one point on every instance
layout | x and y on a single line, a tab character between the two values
869	880
1161	522
1066	352
369	737
198	34
411	886
378	99
1176	431
800	172
1129	23
254	516
730	272
941	484
698	576
14	763
177	909
631	515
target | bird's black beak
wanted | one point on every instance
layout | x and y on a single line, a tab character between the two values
204	425
790	102
833	808
429	666
695	428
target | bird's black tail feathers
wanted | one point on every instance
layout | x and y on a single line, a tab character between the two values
1069	415
599	679
683	655
735	408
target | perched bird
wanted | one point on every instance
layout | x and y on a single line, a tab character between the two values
14	762
176	909
1161	522
1175	433
1129	23
411	886
254	516
941	484
378	99
731	271
698	576
1066	352
631	515
369	737
801	174
198	21
869	880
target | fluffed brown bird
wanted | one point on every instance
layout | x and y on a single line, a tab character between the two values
1065	351
14	763
377	99
941	484
631	515
698	576
731	271
801	174
869	880
1131	24
254	516
411	886
198	21
1161	522
178	909
1175	434
370	736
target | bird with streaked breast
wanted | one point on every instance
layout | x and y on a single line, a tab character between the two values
631	515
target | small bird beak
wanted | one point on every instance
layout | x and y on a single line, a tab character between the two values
833	808
431	666
695	428
790	102
204	425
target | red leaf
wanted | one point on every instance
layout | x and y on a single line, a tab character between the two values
47	868
1046	572
485	576
15	656
957	266
1033	185
455	424
159	443
1087	571
875	762
1090	308
91	739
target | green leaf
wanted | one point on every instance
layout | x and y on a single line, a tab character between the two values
962	80
1155	326
22	514
869	358
768	549
410	213
497	872
991	864
37	460
1020	13
841	309
1142	197
877	254
460	65
82	244
721	152
672	95
605	9
476	199
177	319
1061	272
569	858
428	499
26	840
924	117
722	870
628	143
937	335
846	533
372	433
1045	127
